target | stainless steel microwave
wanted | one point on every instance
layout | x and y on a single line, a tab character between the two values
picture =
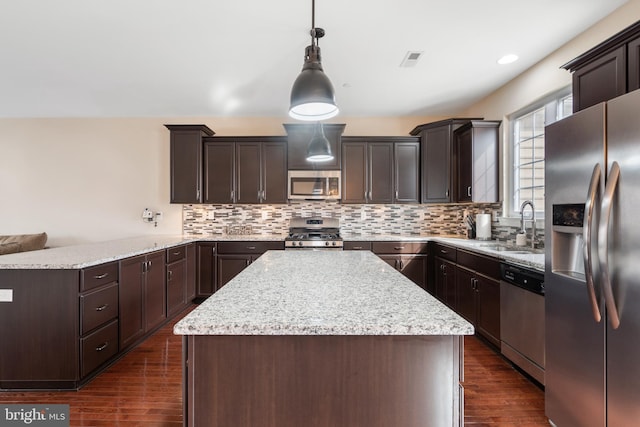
314	185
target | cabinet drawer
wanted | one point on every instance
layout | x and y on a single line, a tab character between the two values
444	251
248	247
99	275
356	246
399	247
99	347
98	307
176	254
484	265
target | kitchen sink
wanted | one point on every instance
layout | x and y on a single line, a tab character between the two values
523	250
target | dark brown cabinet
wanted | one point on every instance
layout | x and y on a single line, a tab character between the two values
298	137
477	161
608	70
409	258
142	296
176	271
207	267
380	170
478	293
192	272
444	274
186	162
438	165
245	170
233	257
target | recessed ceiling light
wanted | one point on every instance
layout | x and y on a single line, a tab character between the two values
508	59
411	59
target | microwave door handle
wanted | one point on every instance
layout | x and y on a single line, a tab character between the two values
603	244
587	235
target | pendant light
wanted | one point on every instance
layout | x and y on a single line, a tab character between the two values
312	95
319	149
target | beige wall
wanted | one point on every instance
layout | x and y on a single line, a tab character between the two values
84	180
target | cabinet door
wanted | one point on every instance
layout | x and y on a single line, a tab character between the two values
488	316
407	172
381	172
464	151
600	80
155	290
298	137
354	172
207	269
446	281
176	286
248	185
186	162
436	165
274	168
192	275
633	69
131	300
229	266
466	294
219	158
414	267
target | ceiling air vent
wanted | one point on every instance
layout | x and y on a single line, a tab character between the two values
411	59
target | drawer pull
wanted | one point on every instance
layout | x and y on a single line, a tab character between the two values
177	253
357	248
102	307
398	248
103	346
442	251
101	276
251	247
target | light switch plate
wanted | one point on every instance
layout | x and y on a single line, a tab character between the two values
6	295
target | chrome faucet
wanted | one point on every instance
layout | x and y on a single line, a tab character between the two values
533	221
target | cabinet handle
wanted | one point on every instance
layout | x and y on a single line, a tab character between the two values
396	194
101	276
176	253
398	248
102	307
369	195
213	249
442	251
198	194
232	194
446	193
169	275
401	265
469	191
264	195
251	247
103	346
149	263
247	262
357	248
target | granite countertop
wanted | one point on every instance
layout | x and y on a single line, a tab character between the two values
87	255
321	293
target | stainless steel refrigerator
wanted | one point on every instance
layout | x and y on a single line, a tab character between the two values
592	266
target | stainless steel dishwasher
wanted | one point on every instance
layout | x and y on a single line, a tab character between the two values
522	318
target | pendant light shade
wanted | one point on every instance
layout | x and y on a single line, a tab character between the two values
319	149
312	94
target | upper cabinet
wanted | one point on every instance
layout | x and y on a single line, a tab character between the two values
380	170
608	70
438	166
298	137
248	170
476	145
186	162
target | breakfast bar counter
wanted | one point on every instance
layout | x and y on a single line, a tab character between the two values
322	338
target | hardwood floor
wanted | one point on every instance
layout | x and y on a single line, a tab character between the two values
144	389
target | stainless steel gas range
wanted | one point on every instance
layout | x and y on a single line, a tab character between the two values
314	233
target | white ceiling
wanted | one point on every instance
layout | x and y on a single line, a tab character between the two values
119	58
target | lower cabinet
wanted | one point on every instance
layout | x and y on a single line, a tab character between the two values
176	271
142	296
233	257
478	293
444	274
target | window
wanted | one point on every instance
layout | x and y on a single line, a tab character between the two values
527	148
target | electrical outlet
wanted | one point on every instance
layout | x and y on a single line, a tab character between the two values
147	214
159	216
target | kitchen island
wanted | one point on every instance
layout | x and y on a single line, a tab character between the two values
322	338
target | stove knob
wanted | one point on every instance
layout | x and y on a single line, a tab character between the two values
326	243
300	243
333	243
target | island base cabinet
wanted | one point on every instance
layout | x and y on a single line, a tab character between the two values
313	381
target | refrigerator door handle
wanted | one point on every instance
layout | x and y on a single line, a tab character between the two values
587	235
603	244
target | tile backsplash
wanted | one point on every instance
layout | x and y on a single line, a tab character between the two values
401	219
